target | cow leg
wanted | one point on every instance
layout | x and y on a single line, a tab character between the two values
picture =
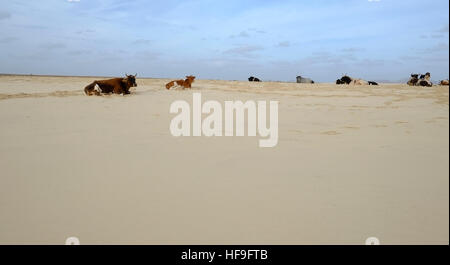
105	89
118	90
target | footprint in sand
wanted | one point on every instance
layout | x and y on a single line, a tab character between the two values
330	133
296	131
351	127
436	119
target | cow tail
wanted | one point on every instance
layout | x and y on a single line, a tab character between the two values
170	84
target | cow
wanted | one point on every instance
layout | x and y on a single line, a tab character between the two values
344	80
413	79
347	80
184	83
253	79
359	82
424	80
304	80
114	85
444	82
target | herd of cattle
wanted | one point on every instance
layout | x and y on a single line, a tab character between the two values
123	85
423	80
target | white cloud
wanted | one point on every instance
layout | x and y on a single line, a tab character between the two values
283	44
243	34
246	51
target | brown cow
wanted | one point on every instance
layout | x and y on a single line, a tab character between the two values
184	83
114	85
444	82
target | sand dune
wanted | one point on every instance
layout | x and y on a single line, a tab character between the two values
351	162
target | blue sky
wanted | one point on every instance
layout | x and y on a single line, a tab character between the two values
213	39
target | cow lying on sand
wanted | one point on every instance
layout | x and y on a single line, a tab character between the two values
114	85
413	79
184	83
424	80
444	82
304	80
347	80
253	79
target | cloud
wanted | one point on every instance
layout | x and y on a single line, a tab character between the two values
4	15
73	1
437	48
32	27
352	50
246	51
8	39
141	42
148	55
444	29
257	30
283	44
365	63
437	36
52	46
78	52
430	58
242	34
322	58
410	58
87	31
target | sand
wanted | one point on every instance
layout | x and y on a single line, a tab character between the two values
351	163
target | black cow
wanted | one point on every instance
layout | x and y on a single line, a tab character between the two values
253	79
344	80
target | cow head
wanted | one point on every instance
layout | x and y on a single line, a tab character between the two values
130	80
190	78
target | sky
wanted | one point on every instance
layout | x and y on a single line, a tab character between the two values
382	40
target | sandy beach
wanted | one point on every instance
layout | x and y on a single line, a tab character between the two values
351	162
